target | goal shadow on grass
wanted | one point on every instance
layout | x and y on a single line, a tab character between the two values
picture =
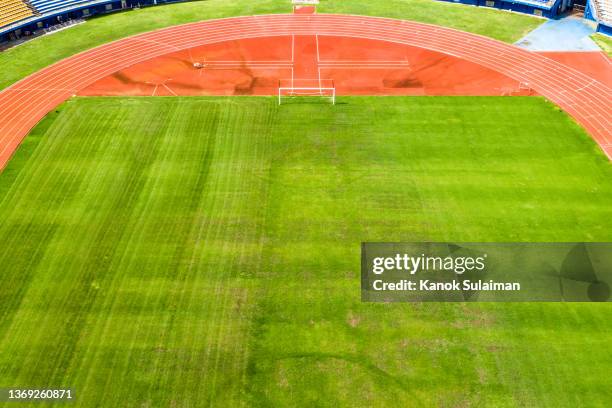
310	100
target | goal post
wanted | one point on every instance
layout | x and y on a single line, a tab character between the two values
298	4
322	88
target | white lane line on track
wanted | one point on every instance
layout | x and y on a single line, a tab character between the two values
42	89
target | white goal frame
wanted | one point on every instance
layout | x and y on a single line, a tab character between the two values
322	88
297	4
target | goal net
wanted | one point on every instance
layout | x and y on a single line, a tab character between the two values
294	88
304	4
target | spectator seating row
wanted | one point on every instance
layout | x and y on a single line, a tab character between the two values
13	10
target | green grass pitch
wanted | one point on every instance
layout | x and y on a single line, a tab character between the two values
604	42
205	251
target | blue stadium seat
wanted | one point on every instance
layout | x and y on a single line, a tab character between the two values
50	6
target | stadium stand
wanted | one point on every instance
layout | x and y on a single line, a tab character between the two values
20	19
52	6
541	8
23	19
13	10
604	10
600	11
43	16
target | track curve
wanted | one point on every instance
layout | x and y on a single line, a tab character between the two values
25	103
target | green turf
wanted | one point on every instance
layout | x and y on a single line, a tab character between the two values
604	42
27	58
205	251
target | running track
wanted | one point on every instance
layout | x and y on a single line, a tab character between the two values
23	104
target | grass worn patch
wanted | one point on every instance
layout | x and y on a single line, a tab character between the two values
30	57
604	42
205	251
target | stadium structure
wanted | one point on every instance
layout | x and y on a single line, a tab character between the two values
186	190
24	17
601	12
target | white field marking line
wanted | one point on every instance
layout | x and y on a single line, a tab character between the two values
249	61
41	90
318	59
486	46
585	86
363	61
157	85
238	64
190	56
252	68
168	88
162	44
372	68
364	64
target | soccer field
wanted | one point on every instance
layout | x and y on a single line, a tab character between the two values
205	251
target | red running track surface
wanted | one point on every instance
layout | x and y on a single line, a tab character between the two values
593	63
357	66
23	104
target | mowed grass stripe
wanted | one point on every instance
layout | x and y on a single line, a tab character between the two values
176	178
205	251
234	232
97	246
152	228
51	181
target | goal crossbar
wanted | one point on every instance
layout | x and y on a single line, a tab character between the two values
315	87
